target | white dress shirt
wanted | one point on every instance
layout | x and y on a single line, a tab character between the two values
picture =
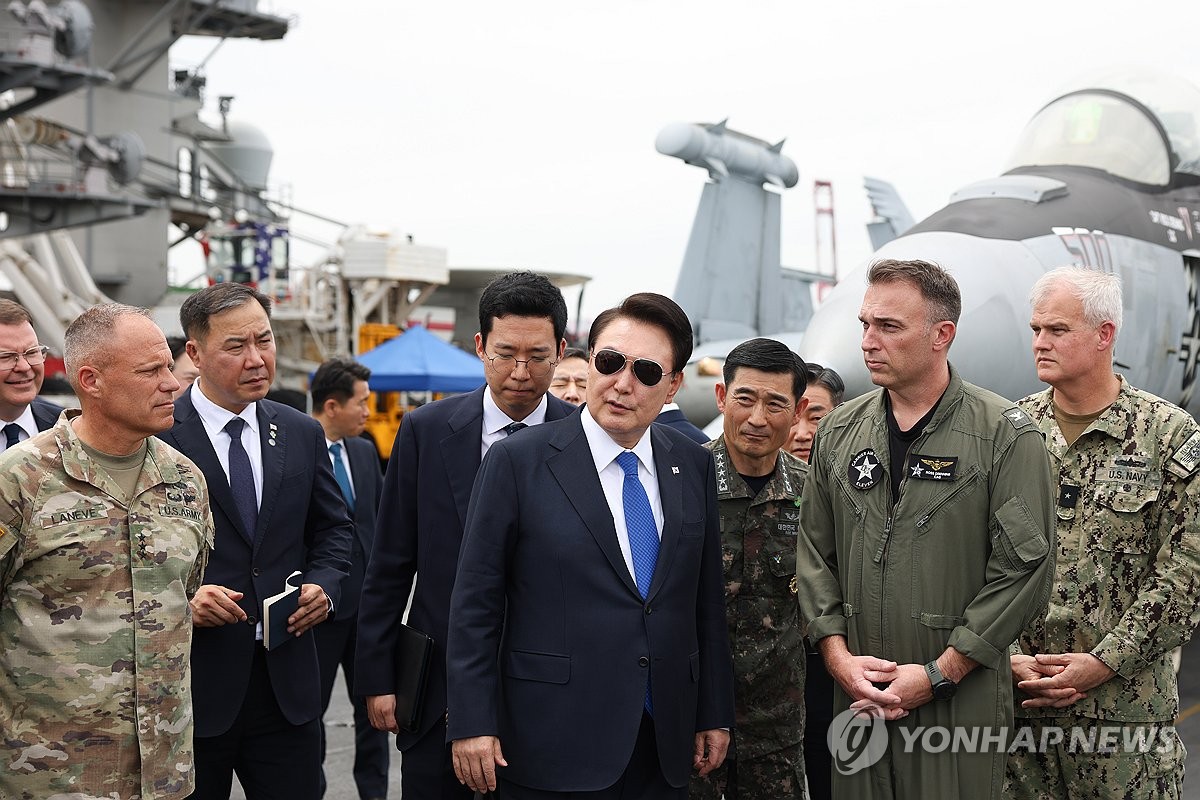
26	423
612	479
215	419
495	420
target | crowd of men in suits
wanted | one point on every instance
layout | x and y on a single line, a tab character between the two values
615	608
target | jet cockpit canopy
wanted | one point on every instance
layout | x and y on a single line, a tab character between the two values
1135	125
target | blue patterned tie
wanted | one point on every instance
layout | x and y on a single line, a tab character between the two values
513	427
339	472
12	434
241	477
643	534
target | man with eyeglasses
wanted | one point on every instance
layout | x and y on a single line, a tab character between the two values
522	322
588	653
22	367
758	486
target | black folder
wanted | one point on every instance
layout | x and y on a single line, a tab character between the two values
414	653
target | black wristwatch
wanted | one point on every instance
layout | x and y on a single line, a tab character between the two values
943	687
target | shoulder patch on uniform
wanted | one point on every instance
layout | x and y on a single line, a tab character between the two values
1188	454
1018	418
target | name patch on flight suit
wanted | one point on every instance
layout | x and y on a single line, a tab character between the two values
865	469
932	468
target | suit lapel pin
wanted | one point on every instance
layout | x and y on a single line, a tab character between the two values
271	433
674	470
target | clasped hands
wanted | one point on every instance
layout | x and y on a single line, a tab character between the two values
215	605
1057	680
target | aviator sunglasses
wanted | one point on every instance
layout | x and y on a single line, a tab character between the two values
610	362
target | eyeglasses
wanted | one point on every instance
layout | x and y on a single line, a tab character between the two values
33	356
610	362
538	366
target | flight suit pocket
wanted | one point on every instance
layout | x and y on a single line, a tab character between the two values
1119	523
544	667
1020	539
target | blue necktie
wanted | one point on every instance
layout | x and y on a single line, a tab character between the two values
12	433
343	478
241	477
513	427
643	535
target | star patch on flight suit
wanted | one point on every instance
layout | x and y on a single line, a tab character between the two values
865	469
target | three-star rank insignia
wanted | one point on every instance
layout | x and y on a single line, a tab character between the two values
932	468
865	469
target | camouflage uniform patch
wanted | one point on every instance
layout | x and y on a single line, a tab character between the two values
95	627
1127	577
758	542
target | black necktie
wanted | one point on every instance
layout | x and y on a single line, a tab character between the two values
12	433
241	477
513	427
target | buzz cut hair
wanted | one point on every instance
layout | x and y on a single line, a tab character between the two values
87	337
1099	292
940	291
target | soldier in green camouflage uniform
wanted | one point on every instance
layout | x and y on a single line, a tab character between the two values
1126	584
757	489
97	565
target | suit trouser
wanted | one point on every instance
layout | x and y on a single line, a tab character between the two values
336	640
273	759
426	770
641	780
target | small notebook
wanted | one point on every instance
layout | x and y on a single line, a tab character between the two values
414	652
276	610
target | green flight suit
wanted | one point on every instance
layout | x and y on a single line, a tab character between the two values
963	558
758	546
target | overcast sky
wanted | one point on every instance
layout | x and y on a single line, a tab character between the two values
521	134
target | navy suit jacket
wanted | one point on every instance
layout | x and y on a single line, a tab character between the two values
425	495
302	525
674	418
368	484
45	413
550	643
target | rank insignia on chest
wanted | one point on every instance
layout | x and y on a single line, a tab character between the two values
1068	495
865	469
932	468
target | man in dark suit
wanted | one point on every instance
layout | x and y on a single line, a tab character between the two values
588	653
277	509
522	321
672	416
341	403
22	368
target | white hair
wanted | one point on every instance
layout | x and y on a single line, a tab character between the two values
1099	292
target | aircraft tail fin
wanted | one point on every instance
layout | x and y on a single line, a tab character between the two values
892	217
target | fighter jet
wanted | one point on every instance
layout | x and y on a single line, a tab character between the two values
1106	177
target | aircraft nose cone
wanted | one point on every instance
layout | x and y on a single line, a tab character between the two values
992	347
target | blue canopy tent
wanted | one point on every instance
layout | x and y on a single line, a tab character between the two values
418	361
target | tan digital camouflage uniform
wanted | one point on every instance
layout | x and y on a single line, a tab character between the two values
758	542
95	628
1126	589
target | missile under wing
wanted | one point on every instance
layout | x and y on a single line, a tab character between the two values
1105	177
